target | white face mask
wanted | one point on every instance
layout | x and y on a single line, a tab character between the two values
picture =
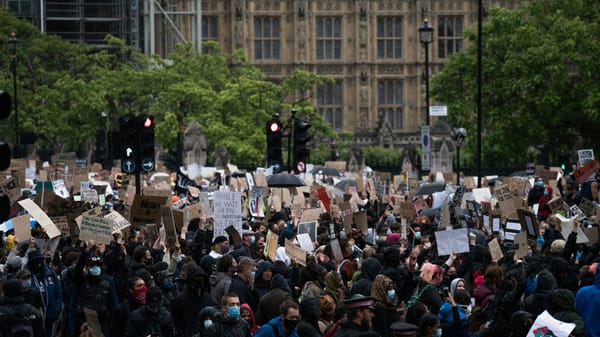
438	333
207	323
427	245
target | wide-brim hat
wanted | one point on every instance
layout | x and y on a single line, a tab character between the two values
359	301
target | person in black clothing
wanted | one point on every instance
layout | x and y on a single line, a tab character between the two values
534	195
185	307
135	297
369	270
31	295
242	283
309	323
360	313
152	319
15	308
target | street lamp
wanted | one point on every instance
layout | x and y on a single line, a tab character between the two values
12	40
426	37
458	136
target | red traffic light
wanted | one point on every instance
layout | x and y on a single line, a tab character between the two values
148	121
274	126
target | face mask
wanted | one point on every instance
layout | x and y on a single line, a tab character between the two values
169	284
95	271
252	239
249	321
427	245
224	249
417	235
179	258
207	323
140	294
539	184
252	274
391	294
290	324
438	333
26	283
233	312
546	193
48	260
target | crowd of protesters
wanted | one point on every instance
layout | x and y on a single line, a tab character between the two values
383	285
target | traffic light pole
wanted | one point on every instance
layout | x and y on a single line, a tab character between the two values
290	138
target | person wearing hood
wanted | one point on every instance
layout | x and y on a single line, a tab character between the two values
534	195
399	273
587	303
334	286
220	279
135	297
386	303
544	209
247	314
50	286
369	270
561	305
187	305
545	283
269	304
14	302
262	280
206	318
152	319
284	325
309	323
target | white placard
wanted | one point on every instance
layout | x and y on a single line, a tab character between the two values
513	227
96	228
482	194
566	227
584	157
60	189
119	221
546	325
38	214
227	212
455	240
305	242
438	110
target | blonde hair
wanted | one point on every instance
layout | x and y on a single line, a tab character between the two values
429	270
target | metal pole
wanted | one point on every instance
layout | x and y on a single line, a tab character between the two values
13	43
290	140
427	83
479	47
458	166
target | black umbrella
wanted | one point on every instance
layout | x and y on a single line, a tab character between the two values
346	182
327	171
284	180
430	188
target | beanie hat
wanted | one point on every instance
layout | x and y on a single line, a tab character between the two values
219	239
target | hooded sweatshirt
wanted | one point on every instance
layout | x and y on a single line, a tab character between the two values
535	303
309	311
587	303
561	305
369	270
252	322
268	307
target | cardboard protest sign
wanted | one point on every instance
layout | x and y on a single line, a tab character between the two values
556	204
234	235
336	250
270	250
495	250
96	228
145	210
93	323
587	207
205	204
295	253
38	214
592	235
445	216
407	210
312	214
521	246
178	218
504	196
454	240
119	222
260	180
546	325
528	222
227	212
310	228
255	202
518	186
10	187
169	224
22	227
360	220
62	224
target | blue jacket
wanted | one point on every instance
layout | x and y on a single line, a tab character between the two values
267	329
50	288
587	303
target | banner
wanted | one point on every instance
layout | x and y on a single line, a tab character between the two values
227	212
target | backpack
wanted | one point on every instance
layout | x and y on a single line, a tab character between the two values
330	331
416	296
21	325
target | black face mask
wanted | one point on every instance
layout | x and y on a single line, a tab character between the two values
290	324
37	266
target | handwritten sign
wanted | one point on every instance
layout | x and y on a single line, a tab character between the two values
227	212
270	250
96	228
146	209
454	240
119	222
495	250
37	213
505	200
10	188
310	228
62	224
169	223
295	253
22	227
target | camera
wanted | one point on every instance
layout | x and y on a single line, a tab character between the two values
444	291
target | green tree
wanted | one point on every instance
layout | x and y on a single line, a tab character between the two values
540	83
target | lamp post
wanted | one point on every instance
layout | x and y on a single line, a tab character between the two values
479	66
458	136
12	40
426	37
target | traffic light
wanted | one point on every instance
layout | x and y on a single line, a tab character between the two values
5	106
128	134
274	137
147	143
301	139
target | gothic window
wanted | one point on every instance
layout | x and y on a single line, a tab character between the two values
389	37
266	37
329	37
329	103
209	30
390	102
450	37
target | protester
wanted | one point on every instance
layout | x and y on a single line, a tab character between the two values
242	283
16	316
587	303
152	319
247	314
360	315
283	325
135	297
269	304
228	323
185	307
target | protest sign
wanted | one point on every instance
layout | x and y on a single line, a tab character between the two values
62	223
528	222
270	250
407	210
556	204
587	207
227	212
234	235
445	217
255	203
496	219
93	323
481	194
586	171
360	220
260	180
10	187
311	214
205	204
38	214
119	222
305	242
178	218
89	195
308	227
145	210
336	250
295	253
169	224
584	157
452	241
22	227
512	228
504	196
60	188
546	325
95	228
521	246
566	227
495	250
322	195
